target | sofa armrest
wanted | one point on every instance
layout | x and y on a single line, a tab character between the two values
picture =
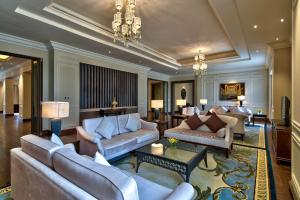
83	135
229	135
184	191
148	125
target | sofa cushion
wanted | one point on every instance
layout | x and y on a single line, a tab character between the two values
194	122
123	119
55	139
144	135
100	159
118	143
149	190
102	182
195	136
133	123
106	128
221	133
214	123
90	125
39	148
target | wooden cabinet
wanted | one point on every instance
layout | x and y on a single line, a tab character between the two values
281	136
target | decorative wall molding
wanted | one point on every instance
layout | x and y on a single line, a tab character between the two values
35	16
158	76
296	126
89	54
22	42
295	187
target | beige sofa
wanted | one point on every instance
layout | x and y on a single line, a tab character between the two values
203	135
43	170
122	141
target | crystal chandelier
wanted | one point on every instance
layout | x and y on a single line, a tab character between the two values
128	28
200	67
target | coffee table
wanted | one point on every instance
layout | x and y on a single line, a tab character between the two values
182	159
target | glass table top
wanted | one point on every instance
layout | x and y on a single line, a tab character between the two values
183	152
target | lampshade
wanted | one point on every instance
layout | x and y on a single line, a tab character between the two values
157	104
241	98
180	102
203	101
55	109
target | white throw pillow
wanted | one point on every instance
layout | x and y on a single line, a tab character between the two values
105	128
133	123
100	159
183	125
221	133
55	139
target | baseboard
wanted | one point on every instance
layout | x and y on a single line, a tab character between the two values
295	188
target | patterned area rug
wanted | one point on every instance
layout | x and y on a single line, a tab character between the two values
244	175
5	193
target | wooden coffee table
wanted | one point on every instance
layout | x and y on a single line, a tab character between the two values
182	159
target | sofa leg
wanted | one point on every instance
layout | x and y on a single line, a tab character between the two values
227	153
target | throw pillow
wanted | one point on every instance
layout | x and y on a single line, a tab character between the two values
221	133
55	139
100	159
209	113
183	125
105	128
214	123
194	122
133	123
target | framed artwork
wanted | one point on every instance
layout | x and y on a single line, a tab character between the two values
230	91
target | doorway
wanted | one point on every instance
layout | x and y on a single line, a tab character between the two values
20	96
157	90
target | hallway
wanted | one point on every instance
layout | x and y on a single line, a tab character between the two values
11	129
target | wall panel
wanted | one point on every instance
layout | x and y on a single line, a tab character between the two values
99	85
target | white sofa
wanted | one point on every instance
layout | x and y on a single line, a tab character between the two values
43	170
122	141
203	134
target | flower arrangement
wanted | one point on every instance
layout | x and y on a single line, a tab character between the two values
173	141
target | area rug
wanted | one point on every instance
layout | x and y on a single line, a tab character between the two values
244	175
5	193
254	137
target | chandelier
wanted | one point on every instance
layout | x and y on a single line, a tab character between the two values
200	67
128	28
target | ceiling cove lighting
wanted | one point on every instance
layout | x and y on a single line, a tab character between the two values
127	28
200	67
3	57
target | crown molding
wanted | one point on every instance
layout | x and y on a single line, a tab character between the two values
22	42
88	23
35	16
93	55
158	76
280	44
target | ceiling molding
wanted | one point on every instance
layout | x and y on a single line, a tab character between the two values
211	57
88	36
231	23
280	44
89	54
90	24
16	70
22	42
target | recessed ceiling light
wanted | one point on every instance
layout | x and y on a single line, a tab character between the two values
3	57
11	63
277	38
255	26
282	20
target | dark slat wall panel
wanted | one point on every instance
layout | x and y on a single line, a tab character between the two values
99	85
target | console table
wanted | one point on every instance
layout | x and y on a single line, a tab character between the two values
112	111
281	136
264	116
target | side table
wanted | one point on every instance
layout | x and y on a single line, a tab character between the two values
162	126
177	117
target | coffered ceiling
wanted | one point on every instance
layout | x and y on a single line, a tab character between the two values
173	31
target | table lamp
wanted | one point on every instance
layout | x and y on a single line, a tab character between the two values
241	99
180	103
203	102
157	104
55	111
